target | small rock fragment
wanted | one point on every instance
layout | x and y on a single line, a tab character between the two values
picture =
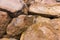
8	36
42	19
8	39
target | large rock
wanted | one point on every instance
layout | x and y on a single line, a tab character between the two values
4	20
39	31
19	24
11	5
49	7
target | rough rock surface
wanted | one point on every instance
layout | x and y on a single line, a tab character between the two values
49	7
4	20
11	5
29	20
56	25
19	24
42	19
39	31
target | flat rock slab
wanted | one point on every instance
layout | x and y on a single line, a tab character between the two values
48	7
11	5
4	20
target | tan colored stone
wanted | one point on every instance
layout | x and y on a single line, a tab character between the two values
19	24
48	7
42	19
4	20
39	31
56	26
